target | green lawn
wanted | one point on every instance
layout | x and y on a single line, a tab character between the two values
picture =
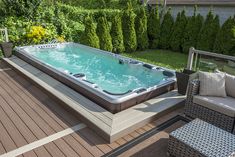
163	58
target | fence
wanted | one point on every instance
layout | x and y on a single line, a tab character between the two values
208	61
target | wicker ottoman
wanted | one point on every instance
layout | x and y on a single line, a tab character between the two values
201	139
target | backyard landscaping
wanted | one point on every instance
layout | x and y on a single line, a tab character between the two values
164	58
94	78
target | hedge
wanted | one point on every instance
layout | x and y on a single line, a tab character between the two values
141	29
128	27
166	30
208	33
178	32
225	39
78	14
89	37
117	35
154	25
192	30
103	33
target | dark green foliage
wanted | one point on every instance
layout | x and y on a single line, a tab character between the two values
103	33
208	33
117	35
89	37
128	26
154	28
141	29
192	30
225	39
166	30
178	32
25	8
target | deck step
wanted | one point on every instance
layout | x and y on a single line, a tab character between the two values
108	125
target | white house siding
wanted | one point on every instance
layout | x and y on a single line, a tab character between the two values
224	12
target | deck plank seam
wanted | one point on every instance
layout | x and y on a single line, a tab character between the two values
16	126
38	115
24	110
26	94
19	118
44	141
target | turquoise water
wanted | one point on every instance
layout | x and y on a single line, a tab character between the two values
101	69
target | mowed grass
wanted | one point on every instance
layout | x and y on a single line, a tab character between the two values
163	58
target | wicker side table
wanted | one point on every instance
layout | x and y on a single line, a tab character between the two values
201	139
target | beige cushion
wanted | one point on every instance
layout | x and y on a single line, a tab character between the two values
212	84
230	85
219	104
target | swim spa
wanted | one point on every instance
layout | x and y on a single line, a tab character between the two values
111	80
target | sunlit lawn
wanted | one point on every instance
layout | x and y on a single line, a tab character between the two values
168	59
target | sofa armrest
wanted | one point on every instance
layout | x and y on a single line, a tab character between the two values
193	89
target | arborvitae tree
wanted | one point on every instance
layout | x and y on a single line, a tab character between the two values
208	33
154	25
192	30
166	30
225	39
103	33
128	27
89	37
117	35
141	29
178	32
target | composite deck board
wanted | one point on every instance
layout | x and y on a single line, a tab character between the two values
134	134
52	149
96	140
2	149
24	103
25	107
6	139
35	107
49	130
64	147
27	134
25	131
77	147
90	147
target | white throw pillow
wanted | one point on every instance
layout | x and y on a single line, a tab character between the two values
230	85
212	84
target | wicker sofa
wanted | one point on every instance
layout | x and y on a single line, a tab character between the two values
215	110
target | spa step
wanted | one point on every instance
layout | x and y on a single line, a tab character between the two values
110	126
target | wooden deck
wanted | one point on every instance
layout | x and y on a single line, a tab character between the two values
110	126
28	117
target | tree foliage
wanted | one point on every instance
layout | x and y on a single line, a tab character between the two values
103	33
192	30
178	32
154	28
225	39
166	30
141	29
208	32
128	26
117	35
89	37
25	8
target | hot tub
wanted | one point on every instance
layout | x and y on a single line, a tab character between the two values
111	80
